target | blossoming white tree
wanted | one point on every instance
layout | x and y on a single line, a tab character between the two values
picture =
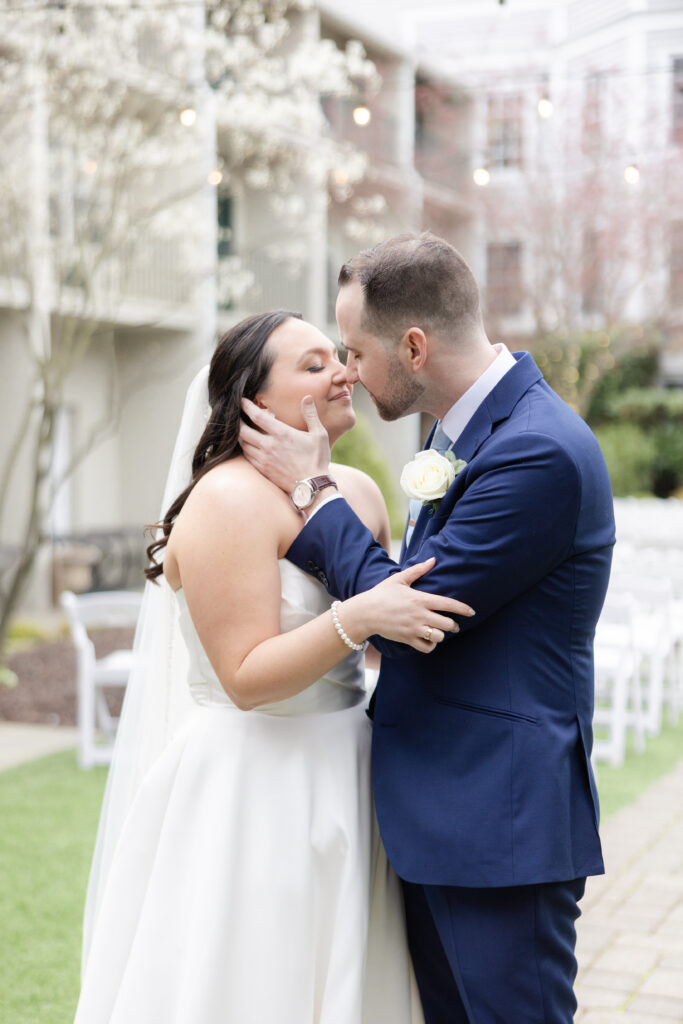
119	121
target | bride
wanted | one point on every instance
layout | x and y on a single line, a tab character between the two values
238	876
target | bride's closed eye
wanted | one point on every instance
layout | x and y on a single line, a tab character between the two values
314	369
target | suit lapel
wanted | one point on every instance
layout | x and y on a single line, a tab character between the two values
496	407
426	513
475	433
468	444
404	546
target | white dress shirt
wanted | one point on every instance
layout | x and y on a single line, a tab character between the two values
462	411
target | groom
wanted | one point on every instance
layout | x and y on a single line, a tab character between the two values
481	752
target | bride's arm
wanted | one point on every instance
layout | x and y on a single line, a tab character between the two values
227	545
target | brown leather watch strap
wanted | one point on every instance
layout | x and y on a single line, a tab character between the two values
318	482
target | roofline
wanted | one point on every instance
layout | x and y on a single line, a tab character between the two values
355	29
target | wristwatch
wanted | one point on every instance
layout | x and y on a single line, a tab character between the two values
305	490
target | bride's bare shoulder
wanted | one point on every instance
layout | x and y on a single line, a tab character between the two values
233	492
231	516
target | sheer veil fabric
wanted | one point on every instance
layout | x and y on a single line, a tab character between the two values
157	699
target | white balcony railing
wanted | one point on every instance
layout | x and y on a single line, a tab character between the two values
154	272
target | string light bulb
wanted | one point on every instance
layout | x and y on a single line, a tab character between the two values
89	167
481	176
188	116
215	177
545	108
631	174
362	116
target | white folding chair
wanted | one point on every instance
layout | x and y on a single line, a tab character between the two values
618	694
666	564
96	725
653	637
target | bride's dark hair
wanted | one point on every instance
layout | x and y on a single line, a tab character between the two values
239	369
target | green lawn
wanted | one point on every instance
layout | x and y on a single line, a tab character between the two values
48	818
620	786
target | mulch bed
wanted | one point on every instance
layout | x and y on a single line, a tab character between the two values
46	691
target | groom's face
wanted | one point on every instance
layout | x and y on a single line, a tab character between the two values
374	361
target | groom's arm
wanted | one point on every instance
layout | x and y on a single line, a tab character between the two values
512	525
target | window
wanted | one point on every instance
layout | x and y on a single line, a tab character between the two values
225	249
61	198
421	133
505	130
676	264
593	103
225	213
503	278
333	265
77	211
677	101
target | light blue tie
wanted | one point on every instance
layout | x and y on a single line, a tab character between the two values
441	442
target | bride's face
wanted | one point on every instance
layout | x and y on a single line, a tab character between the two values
306	363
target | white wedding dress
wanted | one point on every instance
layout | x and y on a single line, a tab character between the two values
249	885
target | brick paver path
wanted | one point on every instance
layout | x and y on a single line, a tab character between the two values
630	936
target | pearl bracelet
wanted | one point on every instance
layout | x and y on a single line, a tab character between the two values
340	630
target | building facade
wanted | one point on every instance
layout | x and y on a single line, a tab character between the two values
574	154
542	138
106	214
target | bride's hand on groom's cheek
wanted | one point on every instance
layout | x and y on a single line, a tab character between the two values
280	452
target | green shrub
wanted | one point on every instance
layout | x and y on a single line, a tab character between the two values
358	448
659	413
24	630
22	634
649	407
630	456
589	368
668	467
632	370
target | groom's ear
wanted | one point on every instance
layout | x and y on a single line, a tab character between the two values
412	349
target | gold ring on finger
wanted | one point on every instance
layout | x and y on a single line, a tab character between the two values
428	634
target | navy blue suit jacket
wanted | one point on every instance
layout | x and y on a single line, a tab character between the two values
481	749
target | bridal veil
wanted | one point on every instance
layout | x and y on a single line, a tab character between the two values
157	698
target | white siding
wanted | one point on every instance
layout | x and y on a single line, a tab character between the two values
586	16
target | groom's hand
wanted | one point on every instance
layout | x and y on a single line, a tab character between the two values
282	453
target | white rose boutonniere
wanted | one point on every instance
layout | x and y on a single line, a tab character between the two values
429	475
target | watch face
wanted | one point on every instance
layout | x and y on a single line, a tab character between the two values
302	495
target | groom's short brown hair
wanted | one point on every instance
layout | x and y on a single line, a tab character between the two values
414	280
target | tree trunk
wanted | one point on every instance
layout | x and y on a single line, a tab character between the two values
30	545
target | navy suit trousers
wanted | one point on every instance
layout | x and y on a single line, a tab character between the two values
495	956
